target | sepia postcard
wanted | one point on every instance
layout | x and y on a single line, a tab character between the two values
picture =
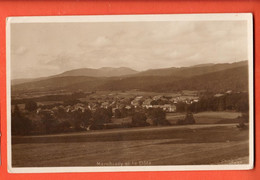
115	93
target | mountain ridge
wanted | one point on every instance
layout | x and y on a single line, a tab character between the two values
100	72
233	78
91	72
191	70
124	72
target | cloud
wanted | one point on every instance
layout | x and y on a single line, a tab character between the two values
51	48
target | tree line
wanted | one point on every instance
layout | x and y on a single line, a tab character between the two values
231	102
60	121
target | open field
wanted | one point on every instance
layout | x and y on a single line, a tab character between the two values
208	117
173	145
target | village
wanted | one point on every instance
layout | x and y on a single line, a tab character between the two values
166	102
92	110
80	111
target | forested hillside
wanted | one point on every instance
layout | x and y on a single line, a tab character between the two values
235	78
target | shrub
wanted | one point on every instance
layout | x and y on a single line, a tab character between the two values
189	119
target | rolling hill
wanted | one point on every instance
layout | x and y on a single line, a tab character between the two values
89	72
214	78
128	72
192	70
101	72
230	79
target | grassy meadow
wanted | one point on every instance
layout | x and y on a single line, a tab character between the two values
208	117
171	145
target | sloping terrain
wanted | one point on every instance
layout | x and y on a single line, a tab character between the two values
88	72
101	72
235	78
192	70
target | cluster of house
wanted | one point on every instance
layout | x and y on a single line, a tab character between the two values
168	104
69	108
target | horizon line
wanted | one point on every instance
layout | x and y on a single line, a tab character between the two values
137	71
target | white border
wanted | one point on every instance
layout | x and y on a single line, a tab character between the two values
133	18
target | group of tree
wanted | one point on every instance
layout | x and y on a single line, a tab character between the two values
124	112
156	115
100	117
49	122
139	119
20	125
235	102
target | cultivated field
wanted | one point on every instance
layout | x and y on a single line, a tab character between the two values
172	145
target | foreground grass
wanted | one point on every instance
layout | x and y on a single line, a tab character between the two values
158	146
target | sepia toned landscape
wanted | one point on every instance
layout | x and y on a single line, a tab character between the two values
111	121
124	103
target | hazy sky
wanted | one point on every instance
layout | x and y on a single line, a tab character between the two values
43	49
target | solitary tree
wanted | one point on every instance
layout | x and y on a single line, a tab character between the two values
189	119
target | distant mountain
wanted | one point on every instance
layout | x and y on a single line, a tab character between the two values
21	81
101	72
128	72
192	70
230	79
218	77
202	65
58	83
235	79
